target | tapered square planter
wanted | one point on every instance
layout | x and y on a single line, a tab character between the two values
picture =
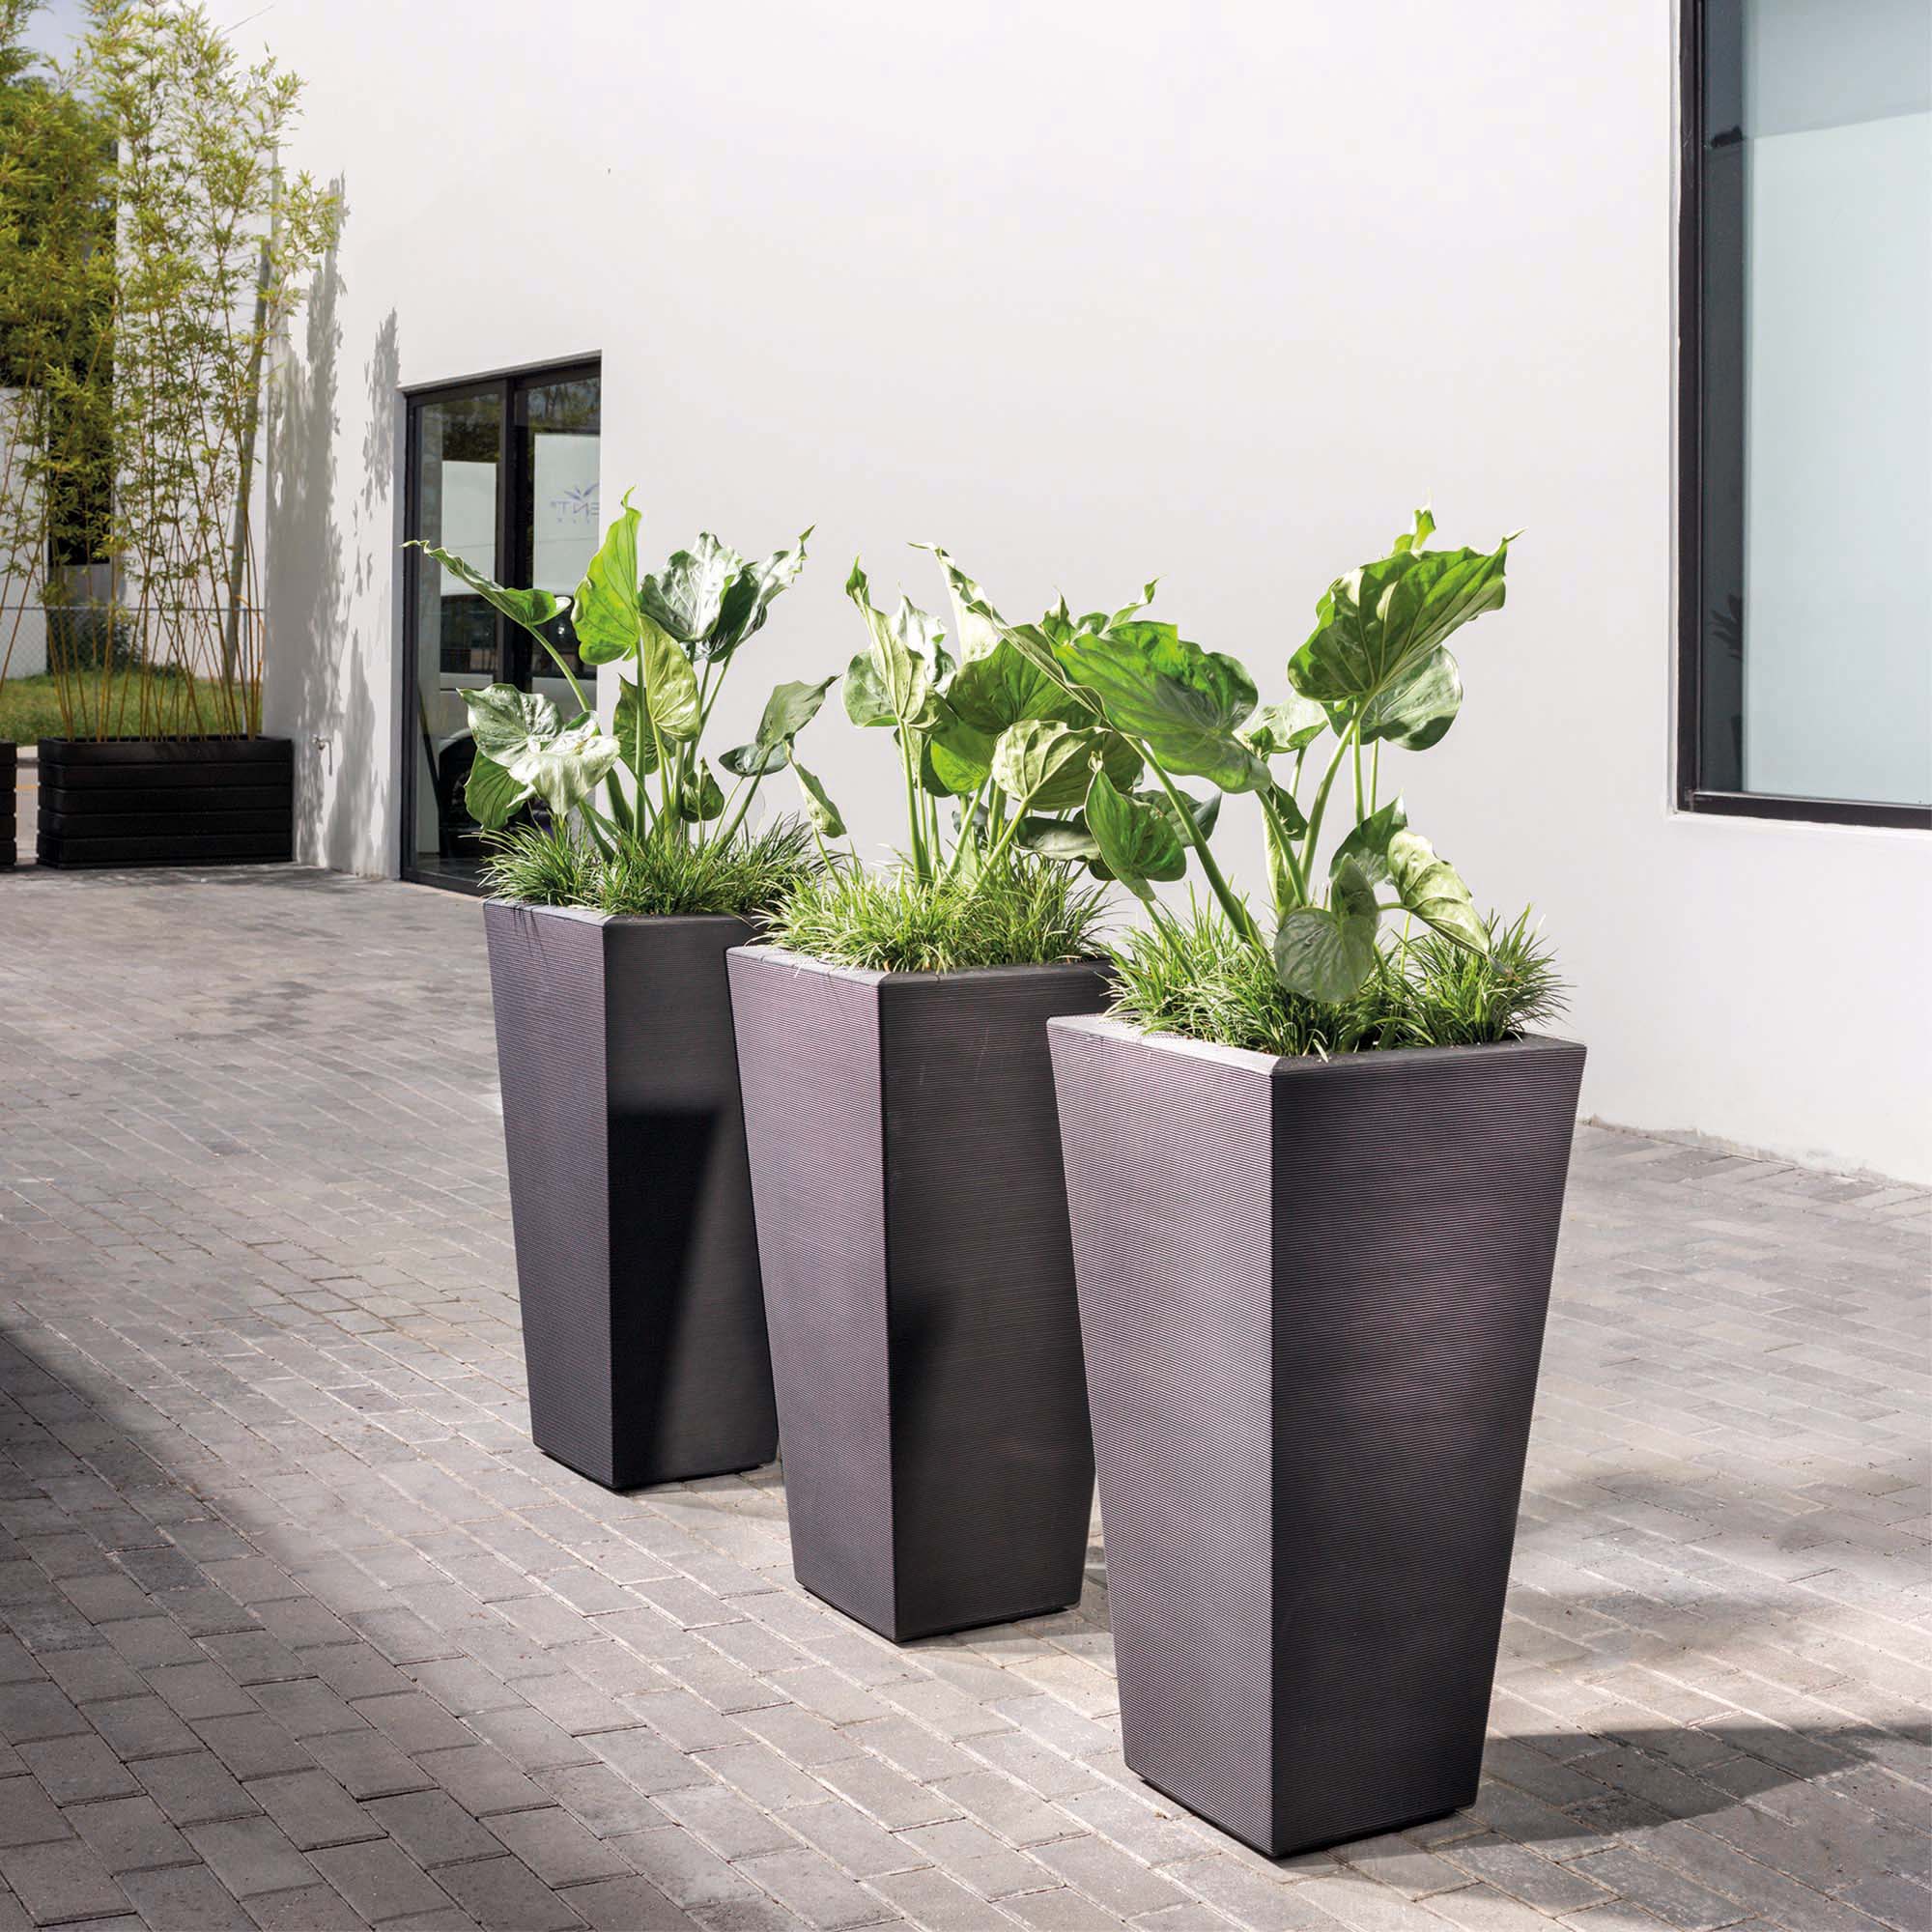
185	802
1312	1296
918	1285
636	1263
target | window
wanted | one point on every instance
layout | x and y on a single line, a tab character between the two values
1804	683
502	472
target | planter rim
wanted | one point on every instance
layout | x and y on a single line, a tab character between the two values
192	738
1297	1064
871	976
590	916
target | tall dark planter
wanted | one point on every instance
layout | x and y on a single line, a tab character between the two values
10	780
919	1283
637	1264
188	802
1313	1299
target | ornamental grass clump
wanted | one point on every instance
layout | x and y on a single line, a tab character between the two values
1375	940
543	864
673	841
1026	912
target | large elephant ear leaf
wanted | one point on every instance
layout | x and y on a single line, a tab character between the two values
1033	754
1367	846
975	624
492	796
688	597
899	681
531	608
818	805
1433	889
1326	952
1139	843
747	601
671	684
788	710
959	756
996	691
1184	703
1291	726
1417	710
1377	624
522	733
699	797
605	610
636	743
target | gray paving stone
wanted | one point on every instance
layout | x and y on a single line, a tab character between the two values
271	1529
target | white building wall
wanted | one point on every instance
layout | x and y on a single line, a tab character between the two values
1088	292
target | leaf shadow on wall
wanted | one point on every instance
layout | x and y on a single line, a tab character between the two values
328	570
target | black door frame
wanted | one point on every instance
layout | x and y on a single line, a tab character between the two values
512	656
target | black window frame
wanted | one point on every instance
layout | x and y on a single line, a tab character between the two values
1695	468
515	649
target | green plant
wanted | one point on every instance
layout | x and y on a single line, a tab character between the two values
1028	911
543	864
153	248
679	633
1196	976
1375	670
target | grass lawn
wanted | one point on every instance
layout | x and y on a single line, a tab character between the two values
175	708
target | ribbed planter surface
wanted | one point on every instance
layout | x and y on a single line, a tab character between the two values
637	1264
185	802
10	779
1313	1296
918	1285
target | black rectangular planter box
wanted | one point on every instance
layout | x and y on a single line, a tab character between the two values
1313	1296
10	780
636	1263
918	1285
173	802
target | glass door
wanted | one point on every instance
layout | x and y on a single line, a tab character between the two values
502	473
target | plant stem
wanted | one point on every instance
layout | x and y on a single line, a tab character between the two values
1241	918
1376	777
1320	805
920	866
1278	832
724	835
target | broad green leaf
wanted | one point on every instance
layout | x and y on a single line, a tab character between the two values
1368	844
975	624
1419	708
531	608
1184	703
1414	539
632	727
1138	841
1291	726
1202	811
996	691
699	797
1127	610
1035	644
1286	809
505	721
961	755
1034	752
492	796
605	612
747	597
823	812
1373	626
689	598
865	700
1432	889
898	662
671	684
1324	952
788	710
1064	839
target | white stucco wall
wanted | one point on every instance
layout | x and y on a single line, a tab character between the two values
1088	292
